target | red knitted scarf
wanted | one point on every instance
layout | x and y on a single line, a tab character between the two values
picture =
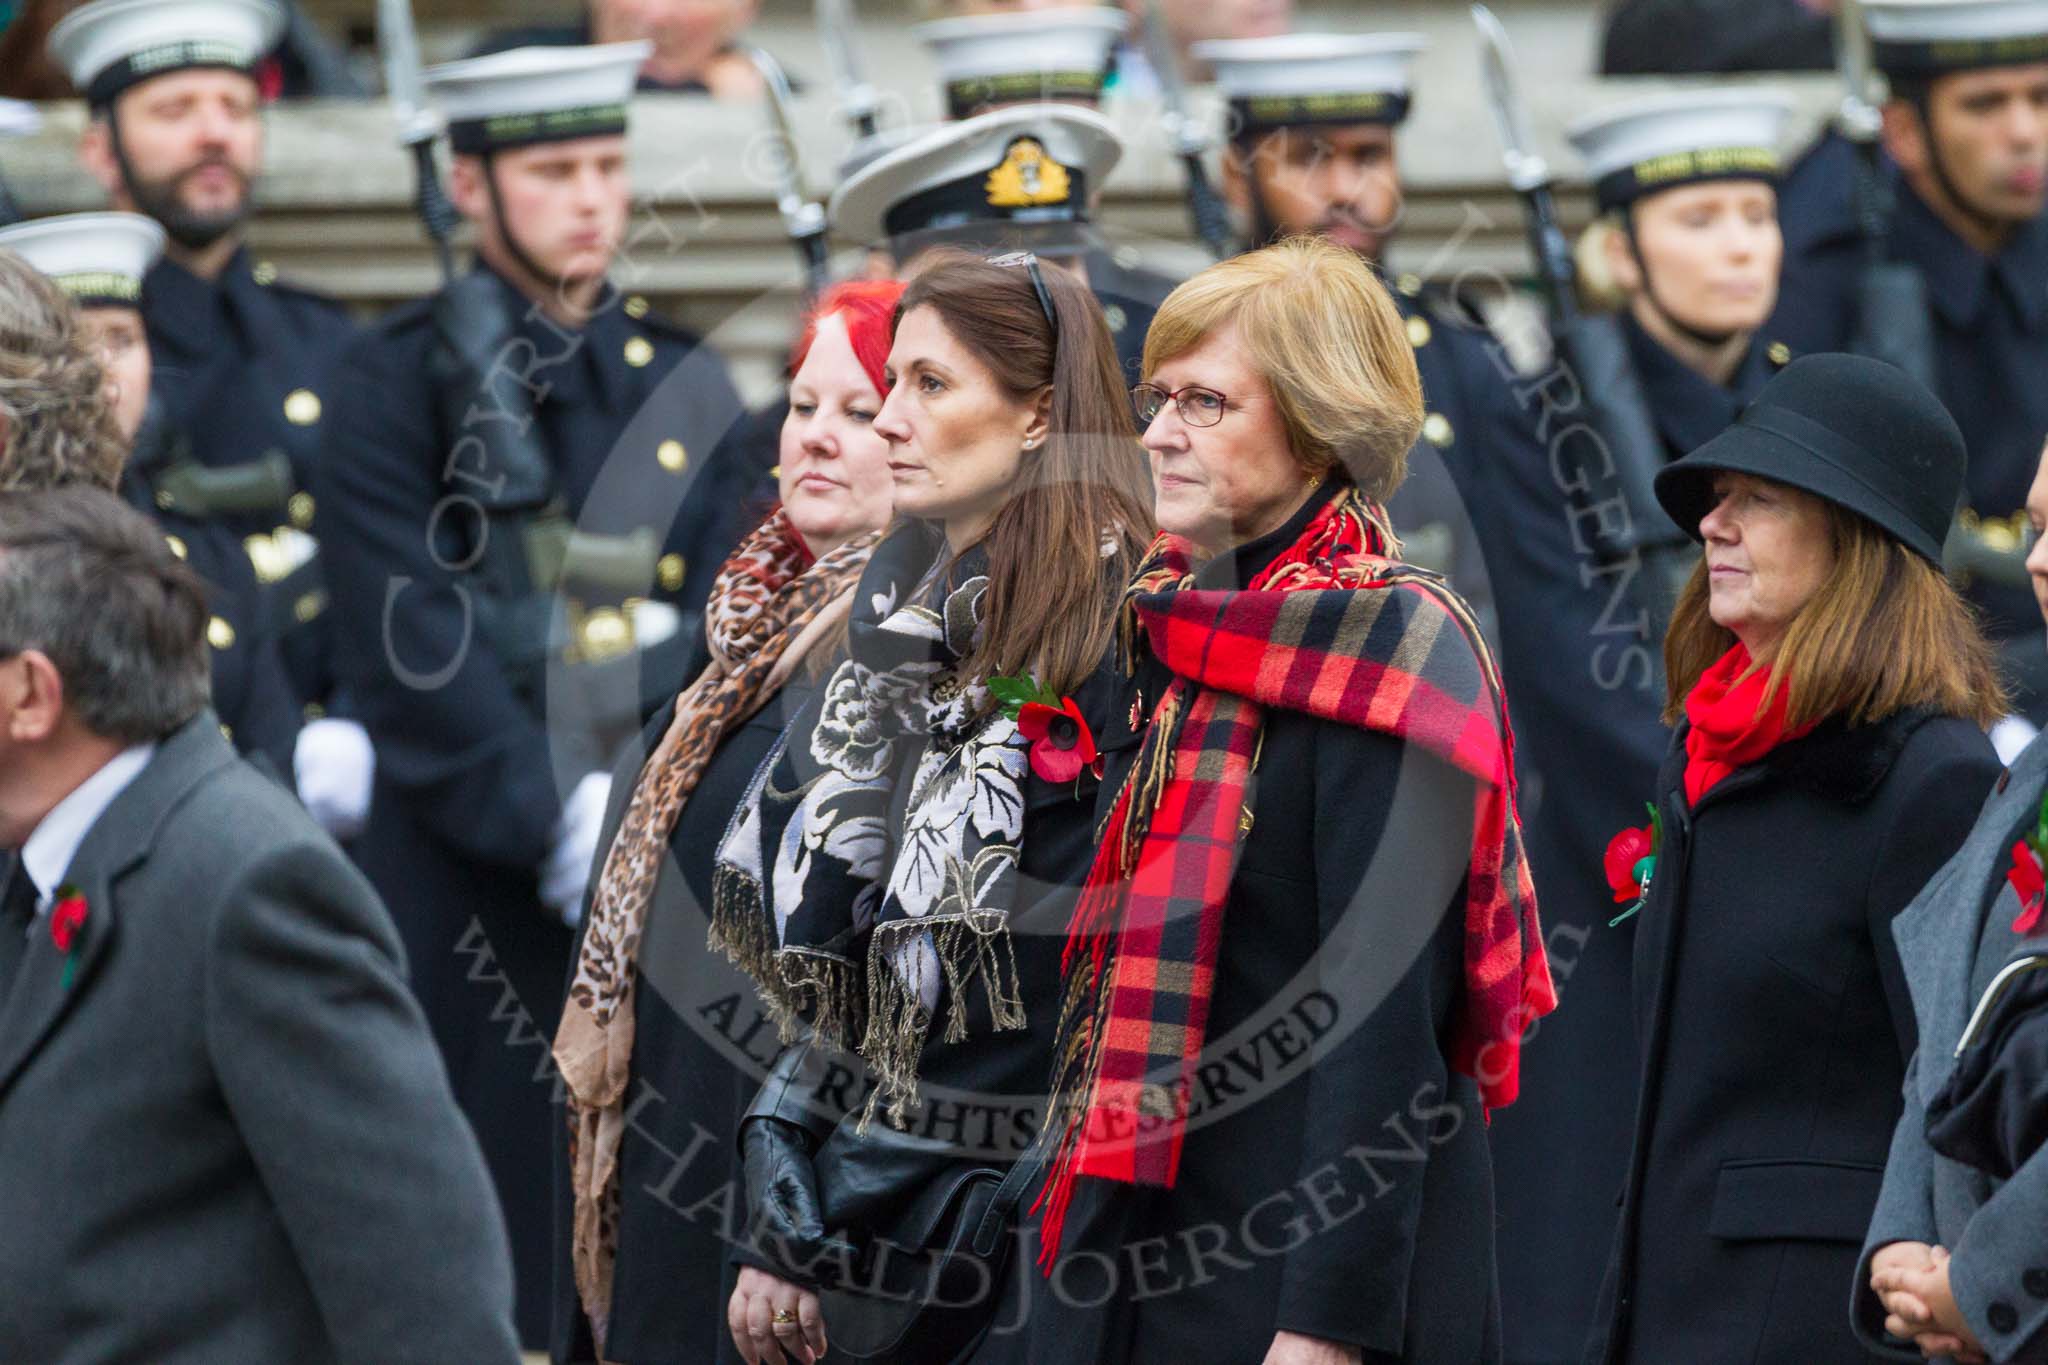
1335	629
1729	726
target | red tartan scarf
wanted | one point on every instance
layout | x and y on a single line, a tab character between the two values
1730	726
1335	629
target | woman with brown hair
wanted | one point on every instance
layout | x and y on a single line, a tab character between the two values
1830	693
644	1077
896	880
1307	949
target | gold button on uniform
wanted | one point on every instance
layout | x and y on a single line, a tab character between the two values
309	606
605	634
636	307
264	273
165	500
177	547
220	634
1116	318
639	351
1778	353
300	508
302	407
668	571
1409	283
671	455
1436	429
1418	332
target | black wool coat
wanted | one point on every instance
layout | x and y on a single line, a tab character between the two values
1583	669
1774	1027
1335	1179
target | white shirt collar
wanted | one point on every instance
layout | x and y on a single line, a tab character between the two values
51	846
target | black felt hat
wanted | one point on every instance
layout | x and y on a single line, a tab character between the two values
1854	431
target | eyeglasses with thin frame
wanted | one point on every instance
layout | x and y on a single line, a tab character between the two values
1199	407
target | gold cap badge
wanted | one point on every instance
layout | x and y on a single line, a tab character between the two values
1028	177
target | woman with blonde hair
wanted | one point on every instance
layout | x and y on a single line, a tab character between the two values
1307	949
1830	693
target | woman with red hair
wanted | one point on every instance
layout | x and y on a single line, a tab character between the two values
660	1046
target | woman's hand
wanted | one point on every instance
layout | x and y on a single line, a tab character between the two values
799	1339
1905	1313
1929	1308
1292	1348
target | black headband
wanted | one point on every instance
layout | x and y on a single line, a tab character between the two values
971	95
1618	189
1920	57
501	132
1252	115
187	54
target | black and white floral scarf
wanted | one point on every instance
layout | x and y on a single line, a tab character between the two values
874	857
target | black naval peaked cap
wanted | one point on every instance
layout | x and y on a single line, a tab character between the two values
1854	431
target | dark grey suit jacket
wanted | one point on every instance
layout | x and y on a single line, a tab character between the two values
229	1138
1953	939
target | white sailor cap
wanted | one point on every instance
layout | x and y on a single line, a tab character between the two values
1297	79
1663	141
536	94
1931	37
109	45
990	60
879	143
1030	170
99	259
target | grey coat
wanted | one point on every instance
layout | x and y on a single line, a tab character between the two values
1952	940
228	1140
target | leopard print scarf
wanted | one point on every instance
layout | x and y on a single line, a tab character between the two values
767	609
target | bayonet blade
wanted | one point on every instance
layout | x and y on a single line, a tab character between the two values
857	99
1858	115
405	81
1187	138
800	216
1526	167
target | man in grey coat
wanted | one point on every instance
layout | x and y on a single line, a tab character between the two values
225	1135
1960	1260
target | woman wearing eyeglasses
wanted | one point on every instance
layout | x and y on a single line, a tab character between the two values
899	879
1305	954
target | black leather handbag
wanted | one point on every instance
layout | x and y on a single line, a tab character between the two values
924	1289
930	1234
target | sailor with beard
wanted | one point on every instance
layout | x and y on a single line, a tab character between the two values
522	511
1312	119
241	361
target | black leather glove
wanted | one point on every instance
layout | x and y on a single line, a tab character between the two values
787	1218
